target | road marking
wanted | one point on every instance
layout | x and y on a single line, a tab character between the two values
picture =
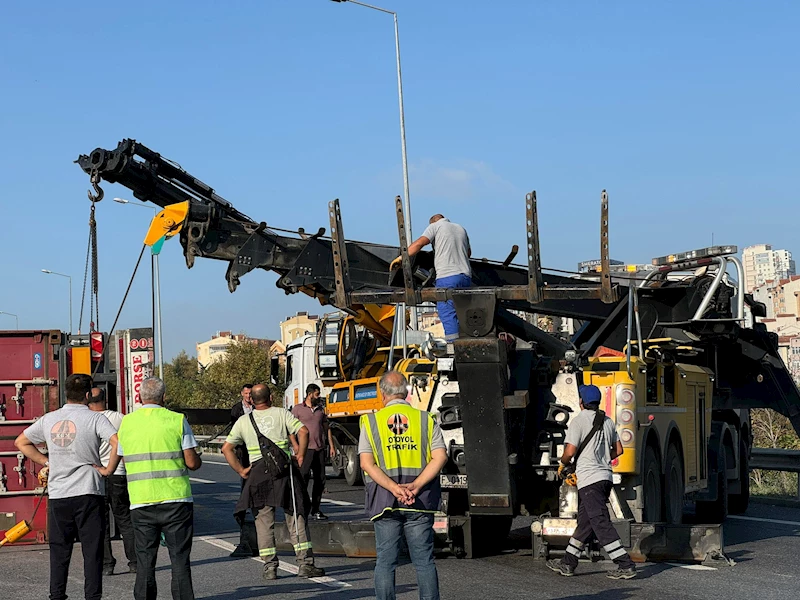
214	462
338	502
283	566
198	480
692	567
777	521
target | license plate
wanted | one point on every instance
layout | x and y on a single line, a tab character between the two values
453	481
558	527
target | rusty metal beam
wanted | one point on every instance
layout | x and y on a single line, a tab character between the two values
535	283
408	278
341	268
605	257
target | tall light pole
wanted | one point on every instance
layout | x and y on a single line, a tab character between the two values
2	312
407	199
49	272
157	290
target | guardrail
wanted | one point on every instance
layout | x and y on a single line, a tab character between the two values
213	445
775	459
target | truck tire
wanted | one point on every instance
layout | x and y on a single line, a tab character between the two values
651	484
673	487
352	467
716	511
738	503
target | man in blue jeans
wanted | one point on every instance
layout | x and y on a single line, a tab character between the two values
451	260
402	451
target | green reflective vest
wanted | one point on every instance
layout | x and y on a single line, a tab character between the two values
151	439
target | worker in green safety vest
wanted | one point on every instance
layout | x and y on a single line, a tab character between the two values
159	450
402	451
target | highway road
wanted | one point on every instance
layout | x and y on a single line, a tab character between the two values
765	543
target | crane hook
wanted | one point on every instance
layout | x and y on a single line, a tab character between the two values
98	195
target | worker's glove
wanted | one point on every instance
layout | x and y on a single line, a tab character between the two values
396	263
561	474
42	476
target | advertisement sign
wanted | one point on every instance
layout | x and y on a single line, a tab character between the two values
136	361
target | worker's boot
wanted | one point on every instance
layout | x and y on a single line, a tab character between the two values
270	572
310	571
560	568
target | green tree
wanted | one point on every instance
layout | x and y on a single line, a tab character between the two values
181	380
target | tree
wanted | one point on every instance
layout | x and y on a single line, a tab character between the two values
773	430
181	381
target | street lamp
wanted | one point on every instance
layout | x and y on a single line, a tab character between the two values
2	312
47	271
407	200
157	290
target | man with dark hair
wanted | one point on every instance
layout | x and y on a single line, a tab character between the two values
593	471
450	260
117	500
311	413
269	428
76	510
245	407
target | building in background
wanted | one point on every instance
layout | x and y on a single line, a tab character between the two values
211	351
298	326
762	264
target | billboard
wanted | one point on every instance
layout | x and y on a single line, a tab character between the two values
135	362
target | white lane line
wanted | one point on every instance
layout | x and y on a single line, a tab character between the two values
692	567
214	462
198	480
283	566
777	521
338	502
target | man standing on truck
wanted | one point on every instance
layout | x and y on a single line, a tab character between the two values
76	511
402	451
311	413
593	437
265	432
451	260
159	450
117	501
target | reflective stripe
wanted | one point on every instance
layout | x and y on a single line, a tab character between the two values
617	553
302	546
376	438
268	552
613	546
424	436
129	458
573	550
411	472
576	543
158	474
411	510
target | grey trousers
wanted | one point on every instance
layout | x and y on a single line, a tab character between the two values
265	531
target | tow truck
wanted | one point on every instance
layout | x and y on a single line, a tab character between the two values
678	367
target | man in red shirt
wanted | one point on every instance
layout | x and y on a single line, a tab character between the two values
311	413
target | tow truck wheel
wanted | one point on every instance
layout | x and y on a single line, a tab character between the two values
737	503
716	511
673	487
652	488
352	467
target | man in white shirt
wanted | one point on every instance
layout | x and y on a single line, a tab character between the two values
117	501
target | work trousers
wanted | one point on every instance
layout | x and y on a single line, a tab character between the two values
80	518
119	504
265	532
447	310
594	520
417	528
314	468
176	521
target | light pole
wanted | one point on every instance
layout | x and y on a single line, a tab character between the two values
407	199
157	290
16	318
49	272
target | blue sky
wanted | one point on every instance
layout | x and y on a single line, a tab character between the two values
686	112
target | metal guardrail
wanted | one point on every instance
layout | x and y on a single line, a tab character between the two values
776	459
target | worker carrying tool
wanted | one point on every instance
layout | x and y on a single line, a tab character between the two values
402	450
450	259
73	435
593	443
272	480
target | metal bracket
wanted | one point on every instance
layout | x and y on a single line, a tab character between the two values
252	254
535	283
18	398
3	478
20	469
341	267
511	255
605	260
408	278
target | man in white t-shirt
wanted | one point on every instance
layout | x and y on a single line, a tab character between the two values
117	501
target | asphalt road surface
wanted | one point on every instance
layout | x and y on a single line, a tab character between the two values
765	543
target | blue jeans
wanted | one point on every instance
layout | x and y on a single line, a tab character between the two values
447	311
418	530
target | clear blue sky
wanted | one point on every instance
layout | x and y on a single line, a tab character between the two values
687	112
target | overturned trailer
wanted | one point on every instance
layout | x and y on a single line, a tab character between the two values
678	369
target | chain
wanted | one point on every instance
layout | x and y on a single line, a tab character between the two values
94	297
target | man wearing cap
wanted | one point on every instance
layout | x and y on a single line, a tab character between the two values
593	470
